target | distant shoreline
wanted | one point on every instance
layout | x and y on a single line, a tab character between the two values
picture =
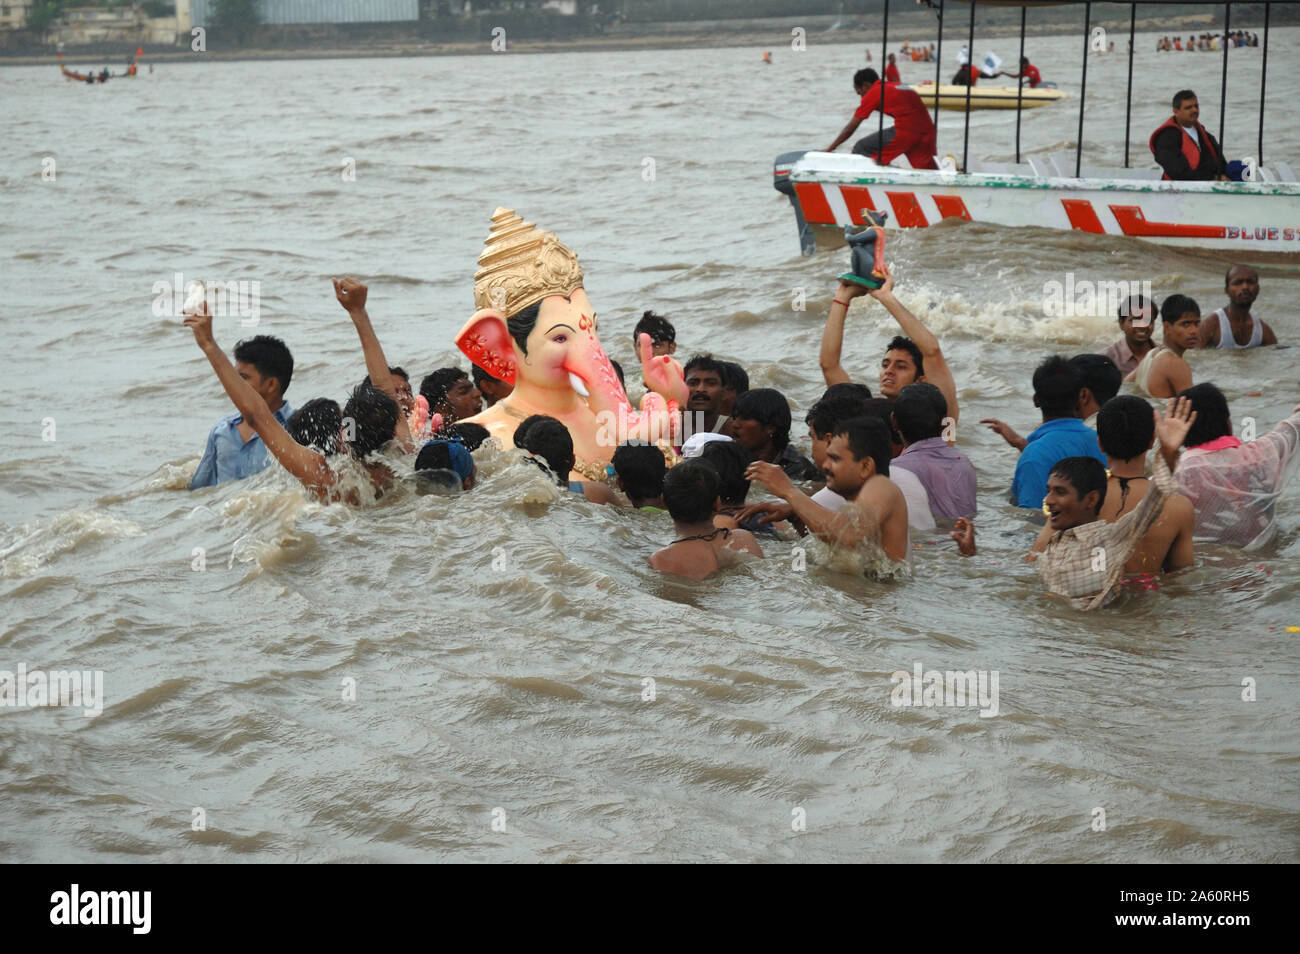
775	40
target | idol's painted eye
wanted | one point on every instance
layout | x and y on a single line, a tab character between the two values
560	339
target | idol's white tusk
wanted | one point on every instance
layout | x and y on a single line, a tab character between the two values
578	385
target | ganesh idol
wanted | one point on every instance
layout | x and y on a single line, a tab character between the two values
535	328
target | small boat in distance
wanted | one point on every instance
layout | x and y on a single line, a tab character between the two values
104	75
987	97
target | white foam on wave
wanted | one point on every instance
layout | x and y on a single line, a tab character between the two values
948	313
28	548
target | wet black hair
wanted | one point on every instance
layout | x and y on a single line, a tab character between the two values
270	356
734	377
374	417
468	433
316	425
769	408
867	437
825	414
865	77
899	343
618	369
1176	306
690	491
1135	303
1125	427
919	412
549	441
849	389
641	468
436	384
1084	474
401	373
1099	374
1056	386
522	429
522	324
706	362
731	461
1212	418
1227	276
656	326
1182	96
434	456
478	375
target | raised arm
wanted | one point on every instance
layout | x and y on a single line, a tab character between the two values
307	465
352	296
833	333
936	368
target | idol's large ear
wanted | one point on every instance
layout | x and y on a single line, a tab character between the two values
486	341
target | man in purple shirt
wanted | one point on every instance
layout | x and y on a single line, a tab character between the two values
946	474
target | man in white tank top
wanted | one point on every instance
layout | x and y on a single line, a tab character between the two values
1234	326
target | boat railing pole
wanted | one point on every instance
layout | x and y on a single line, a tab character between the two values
1223	83
970	80
1083	86
1263	75
1020	91
884	68
938	71
1128	96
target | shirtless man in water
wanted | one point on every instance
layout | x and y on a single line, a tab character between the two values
856	468
691	495
1164	372
1247	331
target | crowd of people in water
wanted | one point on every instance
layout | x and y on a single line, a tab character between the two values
1206	42
883	469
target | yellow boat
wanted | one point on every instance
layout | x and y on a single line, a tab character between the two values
987	97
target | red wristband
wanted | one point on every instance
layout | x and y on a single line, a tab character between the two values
838	302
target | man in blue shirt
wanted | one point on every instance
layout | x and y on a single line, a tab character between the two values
1062	434
234	451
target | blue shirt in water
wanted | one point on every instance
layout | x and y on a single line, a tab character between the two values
1051	441
229	457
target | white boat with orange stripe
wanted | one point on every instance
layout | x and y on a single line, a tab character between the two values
830	191
1258	214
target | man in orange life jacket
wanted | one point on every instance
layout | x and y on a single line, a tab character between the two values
912	134
1183	147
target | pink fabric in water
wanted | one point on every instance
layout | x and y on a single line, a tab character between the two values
1219	443
1234	488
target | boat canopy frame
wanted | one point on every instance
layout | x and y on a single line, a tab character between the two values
1024	5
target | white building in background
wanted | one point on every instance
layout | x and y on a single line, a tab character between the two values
301	12
14	13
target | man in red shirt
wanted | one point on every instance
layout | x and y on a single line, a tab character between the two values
1027	71
891	71
912	134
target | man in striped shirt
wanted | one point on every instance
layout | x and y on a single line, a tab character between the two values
1085	556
